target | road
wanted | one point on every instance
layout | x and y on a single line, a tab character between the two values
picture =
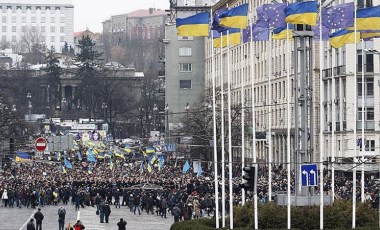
16	218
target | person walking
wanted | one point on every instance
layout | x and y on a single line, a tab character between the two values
61	218
4	197
122	224
137	205
107	211
30	225
176	213
39	217
78	225
101	211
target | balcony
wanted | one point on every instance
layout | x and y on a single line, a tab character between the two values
368	68
326	73
340	70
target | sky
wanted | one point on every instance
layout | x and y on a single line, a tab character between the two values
91	13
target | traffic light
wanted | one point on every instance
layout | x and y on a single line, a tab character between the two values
250	178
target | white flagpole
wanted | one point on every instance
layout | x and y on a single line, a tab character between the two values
288	123
254	155
364	108
242	115
269	50
355	125
321	121
223	133
214	132
229	133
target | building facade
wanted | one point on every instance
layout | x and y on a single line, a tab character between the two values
45	22
339	67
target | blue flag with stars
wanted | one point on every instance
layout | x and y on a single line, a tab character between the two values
258	33
340	16
271	15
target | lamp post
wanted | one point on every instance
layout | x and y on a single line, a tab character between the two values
104	107
29	96
167	132
187	108
155	109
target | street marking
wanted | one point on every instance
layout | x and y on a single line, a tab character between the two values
78	216
31	216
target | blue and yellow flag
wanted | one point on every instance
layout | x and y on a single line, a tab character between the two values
153	160
128	148
343	37
62	169
282	32
149	168
369	35
111	164
89	170
235	17
196	25
67	163
149	150
302	13
368	18
229	37
90	156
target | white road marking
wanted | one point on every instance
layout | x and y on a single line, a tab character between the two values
31	216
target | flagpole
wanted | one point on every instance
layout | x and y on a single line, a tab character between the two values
214	131
254	156
242	114
229	133
321	122
288	124
363	124
223	133
269	53
355	123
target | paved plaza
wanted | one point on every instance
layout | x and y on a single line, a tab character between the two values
16	218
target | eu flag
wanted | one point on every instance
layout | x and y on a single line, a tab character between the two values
258	33
368	18
216	20
343	37
338	17
272	14
196	25
316	30
302	13
235	17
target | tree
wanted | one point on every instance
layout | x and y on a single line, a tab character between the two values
65	49
87	60
32	44
54	71
4	44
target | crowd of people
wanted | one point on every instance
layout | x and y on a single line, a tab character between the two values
167	191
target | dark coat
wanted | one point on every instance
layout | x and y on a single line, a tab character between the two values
39	216
122	225
30	226
107	210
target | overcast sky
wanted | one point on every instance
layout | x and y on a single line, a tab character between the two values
91	13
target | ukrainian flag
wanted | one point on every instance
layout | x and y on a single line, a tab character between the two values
149	168
153	160
196	25
342	37
369	35
128	148
89	170
281	33
235	17
368	18
229	37
149	150
302	13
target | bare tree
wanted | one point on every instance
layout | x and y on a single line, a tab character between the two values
4	44
33	45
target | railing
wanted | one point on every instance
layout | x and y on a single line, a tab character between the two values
368	68
326	73
340	70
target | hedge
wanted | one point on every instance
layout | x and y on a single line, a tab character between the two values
271	216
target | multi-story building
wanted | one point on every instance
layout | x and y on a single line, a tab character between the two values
48	22
338	66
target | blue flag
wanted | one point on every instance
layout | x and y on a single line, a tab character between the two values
186	167
79	155
200	171
258	33
340	16
216	21
67	163
316	30
90	156
271	15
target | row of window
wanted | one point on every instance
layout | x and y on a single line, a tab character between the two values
4	29
23	9
43	38
33	19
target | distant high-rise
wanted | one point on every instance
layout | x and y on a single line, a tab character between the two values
45	22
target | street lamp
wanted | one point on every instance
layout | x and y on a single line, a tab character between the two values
167	132
187	108
29	96
155	109
104	107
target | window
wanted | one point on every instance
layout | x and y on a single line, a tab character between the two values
23	29
4	19
43	38
14	38
184	52
62	39
4	29
62	20
52	29
14	19
369	114
33	19
52	19
52	39
14	29
370	145
43	20
23	19
62	29
364	3
185	84
368	87
43	30
185	67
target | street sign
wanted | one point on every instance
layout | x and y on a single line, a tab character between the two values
41	144
309	175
